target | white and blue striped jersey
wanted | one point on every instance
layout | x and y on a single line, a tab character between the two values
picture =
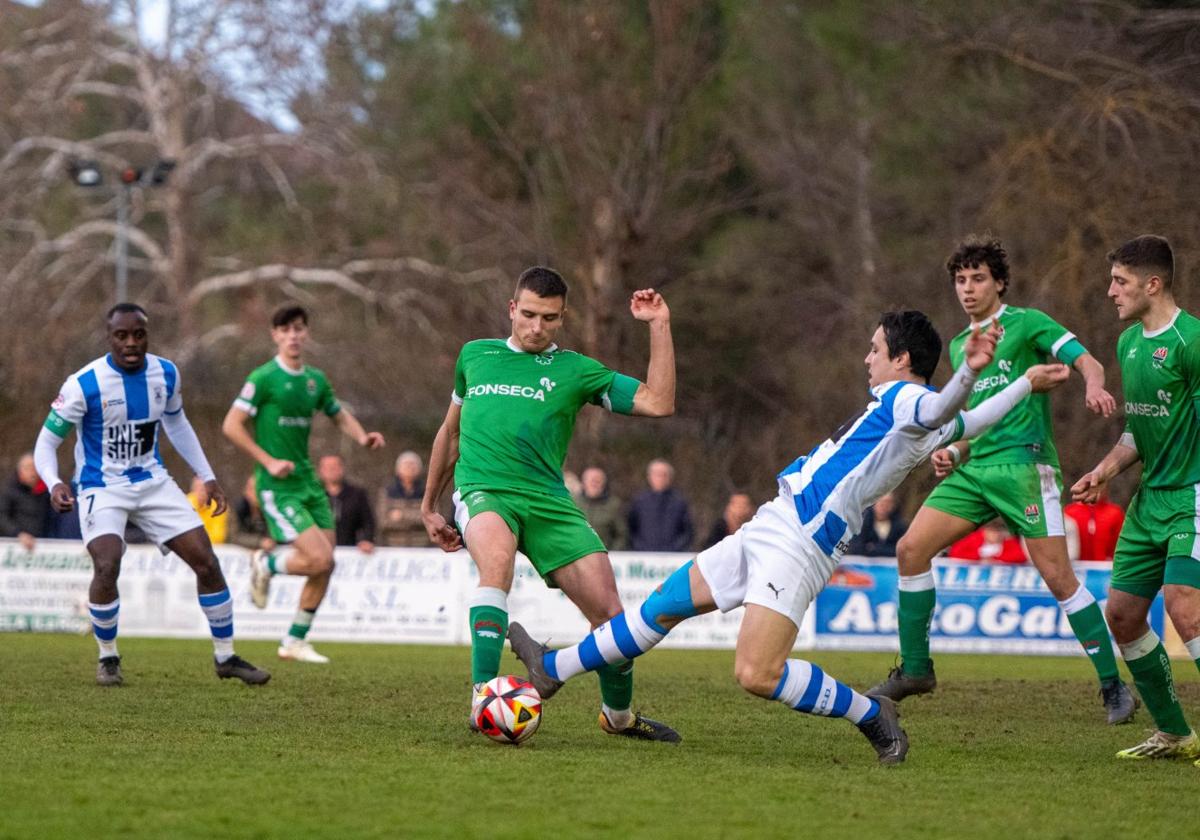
867	457
116	415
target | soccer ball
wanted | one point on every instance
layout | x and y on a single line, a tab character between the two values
508	710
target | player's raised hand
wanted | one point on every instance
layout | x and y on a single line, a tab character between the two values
1089	488
214	495
980	348
61	499
441	533
374	440
1099	401
278	468
1047	377
649	305
944	462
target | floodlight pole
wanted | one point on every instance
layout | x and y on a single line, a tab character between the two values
122	243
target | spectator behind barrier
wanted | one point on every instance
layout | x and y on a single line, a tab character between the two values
251	525
217	527
739	510
659	519
354	523
883	526
25	505
400	504
991	543
603	510
1095	529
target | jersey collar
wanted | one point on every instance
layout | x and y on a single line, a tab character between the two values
513	346
1163	328
283	365
995	316
145	361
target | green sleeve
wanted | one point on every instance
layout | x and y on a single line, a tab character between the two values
602	386
329	403
1191	366
1053	339
253	393
57	424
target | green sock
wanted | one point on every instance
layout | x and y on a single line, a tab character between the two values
1092	633
301	623
616	685
489	627
276	565
1152	676
916	611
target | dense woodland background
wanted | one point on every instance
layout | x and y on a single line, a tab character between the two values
781	171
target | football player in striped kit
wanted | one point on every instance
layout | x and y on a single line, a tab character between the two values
777	563
116	405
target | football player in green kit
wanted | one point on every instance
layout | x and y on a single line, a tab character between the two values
281	397
1159	547
1012	473
503	442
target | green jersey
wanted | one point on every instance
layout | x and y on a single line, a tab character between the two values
1160	375
1027	338
282	403
518	412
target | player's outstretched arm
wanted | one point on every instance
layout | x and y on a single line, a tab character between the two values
1120	458
656	396
234	428
45	461
935	410
1037	379
442	459
352	429
187	444
1096	398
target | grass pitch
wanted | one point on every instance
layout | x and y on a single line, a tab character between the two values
376	745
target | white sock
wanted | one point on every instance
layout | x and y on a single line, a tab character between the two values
620	719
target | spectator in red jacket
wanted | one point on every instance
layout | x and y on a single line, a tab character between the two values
1097	526
990	544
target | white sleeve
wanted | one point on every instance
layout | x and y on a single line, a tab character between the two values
70	404
175	401
45	457
183	438
934	410
1126	439
989	412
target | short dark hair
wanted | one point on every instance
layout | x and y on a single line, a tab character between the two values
284	315
1147	251
542	281
975	251
911	331
122	308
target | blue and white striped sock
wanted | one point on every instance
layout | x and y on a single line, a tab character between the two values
617	640
218	609
104	626
806	688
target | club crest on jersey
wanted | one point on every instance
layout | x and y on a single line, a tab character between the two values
158	393
1160	356
999	328
1032	513
311	385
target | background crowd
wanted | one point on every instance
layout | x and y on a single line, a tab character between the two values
657	516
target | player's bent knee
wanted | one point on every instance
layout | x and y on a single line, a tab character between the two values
756	679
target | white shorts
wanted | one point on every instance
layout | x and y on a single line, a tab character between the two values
159	508
769	561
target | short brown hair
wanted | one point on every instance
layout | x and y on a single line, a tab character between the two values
1149	253
975	251
543	282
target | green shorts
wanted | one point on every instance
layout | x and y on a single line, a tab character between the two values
1158	542
290	511
1028	497
550	530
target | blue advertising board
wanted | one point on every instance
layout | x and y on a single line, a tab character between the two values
981	608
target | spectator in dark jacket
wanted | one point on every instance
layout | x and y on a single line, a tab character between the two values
738	511
603	510
883	526
25	505
659	519
354	523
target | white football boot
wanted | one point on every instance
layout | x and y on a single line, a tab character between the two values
301	651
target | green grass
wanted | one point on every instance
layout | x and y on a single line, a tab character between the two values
376	745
